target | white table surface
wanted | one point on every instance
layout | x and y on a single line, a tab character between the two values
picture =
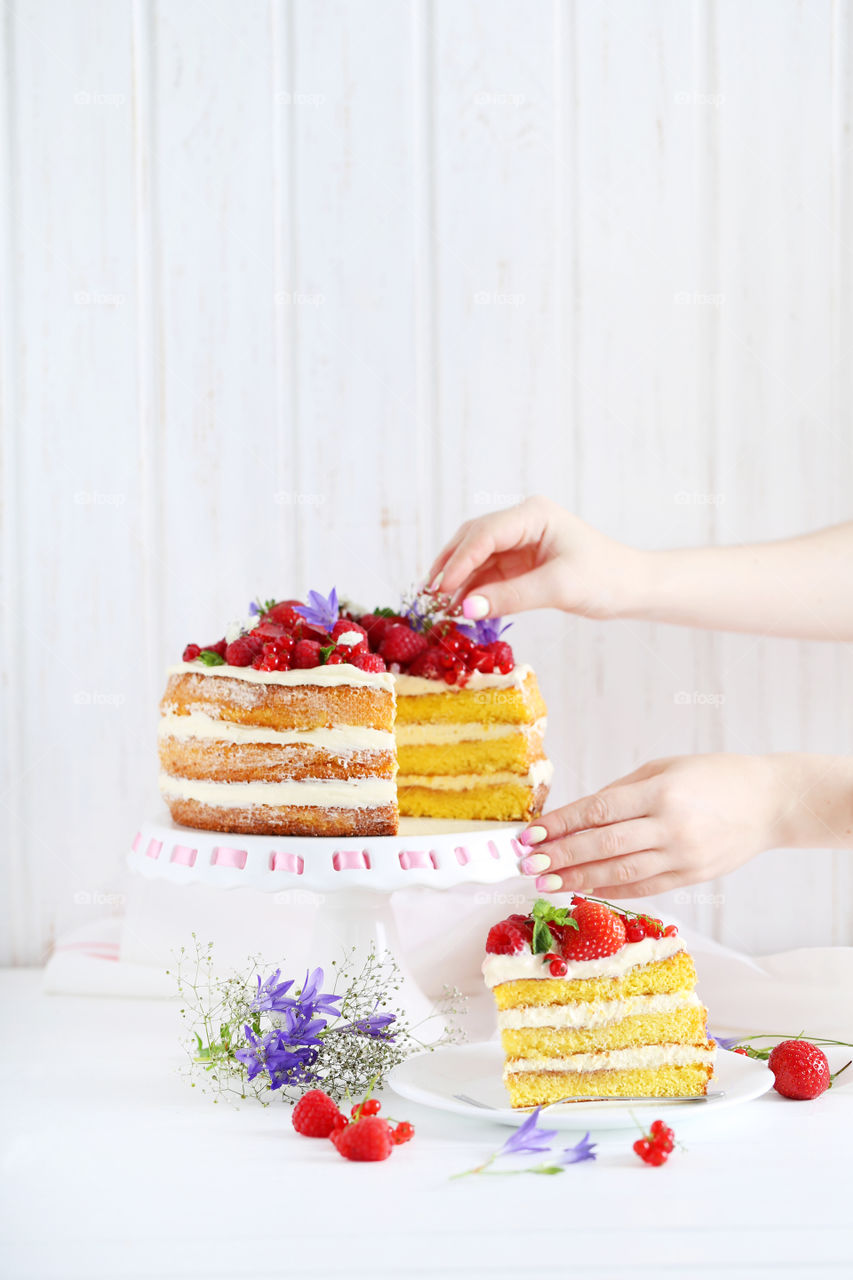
114	1167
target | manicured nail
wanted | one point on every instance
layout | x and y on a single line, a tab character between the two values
535	863
436	582
549	884
533	835
475	607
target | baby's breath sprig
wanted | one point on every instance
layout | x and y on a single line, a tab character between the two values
250	1038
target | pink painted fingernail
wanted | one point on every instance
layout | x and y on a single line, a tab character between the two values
436	582
535	863
549	884
475	607
533	835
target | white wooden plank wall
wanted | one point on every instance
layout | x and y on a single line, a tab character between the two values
289	289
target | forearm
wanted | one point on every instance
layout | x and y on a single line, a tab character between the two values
799	587
815	805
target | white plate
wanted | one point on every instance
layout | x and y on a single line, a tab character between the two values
475	1069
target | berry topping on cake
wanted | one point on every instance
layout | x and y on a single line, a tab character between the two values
191	652
242	652
506	939
600	932
306	653
402	645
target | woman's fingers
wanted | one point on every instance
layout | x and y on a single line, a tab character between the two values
598	844
602	809
534	590
627	877
485	537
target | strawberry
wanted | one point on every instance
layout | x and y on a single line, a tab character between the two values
367	1139
315	1114
402	645
505	939
503	656
800	1068
600	932
306	653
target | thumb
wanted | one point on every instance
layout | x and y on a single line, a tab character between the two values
533	590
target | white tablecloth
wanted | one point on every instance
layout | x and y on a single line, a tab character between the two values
113	1167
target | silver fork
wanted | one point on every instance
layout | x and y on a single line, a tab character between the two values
619	1101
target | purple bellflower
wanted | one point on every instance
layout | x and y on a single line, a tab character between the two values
320	611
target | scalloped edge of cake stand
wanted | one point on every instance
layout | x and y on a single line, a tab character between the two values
430	852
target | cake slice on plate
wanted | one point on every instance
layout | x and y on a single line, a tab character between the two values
594	1001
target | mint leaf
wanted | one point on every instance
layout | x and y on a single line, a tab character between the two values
384	612
324	653
211	659
543	938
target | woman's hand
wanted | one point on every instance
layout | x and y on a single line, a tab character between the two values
532	556
672	822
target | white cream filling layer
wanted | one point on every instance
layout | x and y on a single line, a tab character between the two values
347	738
415	686
444	735
594	1013
498	969
647	1056
540	771
324	677
318	793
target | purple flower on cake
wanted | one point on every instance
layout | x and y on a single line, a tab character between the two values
310	1000
583	1150
486	630
320	611
528	1139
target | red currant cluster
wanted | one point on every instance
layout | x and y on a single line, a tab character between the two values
443	651
639	927
366	1136
655	1146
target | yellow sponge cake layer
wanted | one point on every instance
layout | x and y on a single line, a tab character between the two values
529	1089
520	702
511	753
682	1026
675	973
502	802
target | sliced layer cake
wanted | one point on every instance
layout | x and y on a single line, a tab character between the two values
594	1001
470	722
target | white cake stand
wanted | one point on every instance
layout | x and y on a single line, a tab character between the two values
313	897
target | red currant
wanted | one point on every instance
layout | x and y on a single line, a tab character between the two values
558	968
670	931
404	1132
370	1107
634	931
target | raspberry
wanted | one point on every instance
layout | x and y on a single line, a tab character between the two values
505	939
315	1114
401	644
368	662
370	1107
306	653
600	932
219	647
404	1132
481	660
376	624
342	626
368	1139
428	666
800	1068
240	653
191	652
